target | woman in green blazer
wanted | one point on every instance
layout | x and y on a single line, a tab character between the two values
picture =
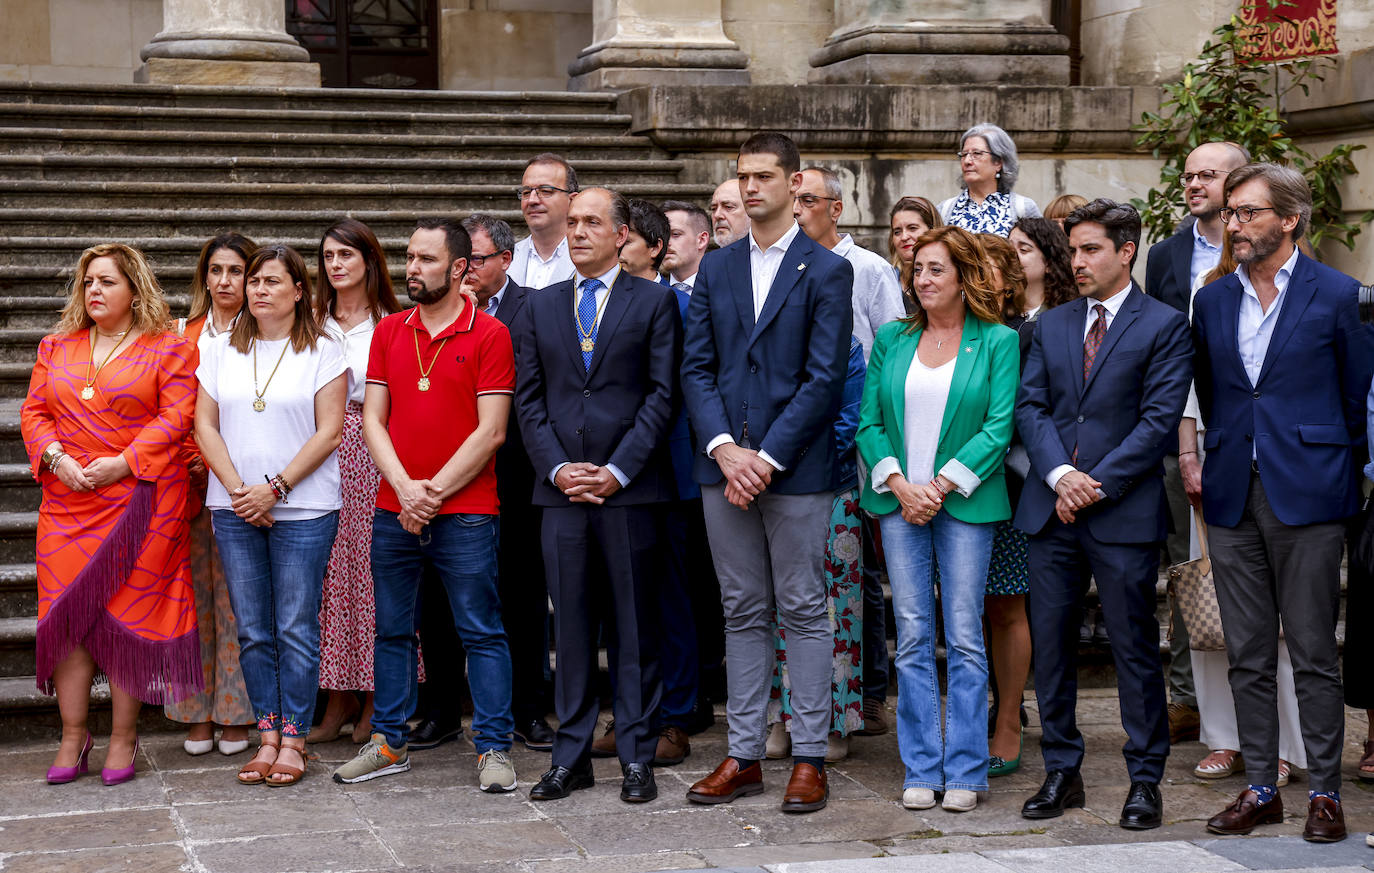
934	428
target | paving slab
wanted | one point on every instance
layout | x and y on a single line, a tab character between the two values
435	806
1147	857
936	845
688	829
438	845
953	863
840	821
1273	853
88	831
337	851
272	812
622	863
168	858
755	855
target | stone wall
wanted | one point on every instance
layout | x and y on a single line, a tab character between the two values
778	35
75	40
511	45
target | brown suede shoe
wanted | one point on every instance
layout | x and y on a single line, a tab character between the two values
1246	812
807	790
1325	821
1184	723
673	747
604	747
727	782
875	718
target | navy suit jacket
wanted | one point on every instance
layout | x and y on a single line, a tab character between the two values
1120	419
680	443
617	412
1169	268
1304	419
514	475
774	385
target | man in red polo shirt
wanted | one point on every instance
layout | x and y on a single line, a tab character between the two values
439	385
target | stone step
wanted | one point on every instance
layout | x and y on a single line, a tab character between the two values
20	345
418	197
49	140
18	590
370	100
17	636
11	437
17	536
250	168
18	490
519	122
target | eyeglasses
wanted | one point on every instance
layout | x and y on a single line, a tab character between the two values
976	154
1243	214
1204	176
810	201
544	191
476	261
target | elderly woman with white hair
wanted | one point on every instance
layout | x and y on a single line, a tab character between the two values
988	164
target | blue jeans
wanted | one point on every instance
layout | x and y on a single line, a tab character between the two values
275	577
962	551
462	550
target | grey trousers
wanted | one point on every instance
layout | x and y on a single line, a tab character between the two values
1266	570
771	556
1180	675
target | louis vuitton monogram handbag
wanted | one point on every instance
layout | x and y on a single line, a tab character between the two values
1191	587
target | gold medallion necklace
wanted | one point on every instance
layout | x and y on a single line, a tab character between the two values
423	384
589	344
259	404
88	392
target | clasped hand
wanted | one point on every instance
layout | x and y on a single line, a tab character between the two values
919	502
253	504
1077	490
586	483
420	501
747	474
96	474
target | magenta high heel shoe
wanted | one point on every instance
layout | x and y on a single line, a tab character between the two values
123	774
63	775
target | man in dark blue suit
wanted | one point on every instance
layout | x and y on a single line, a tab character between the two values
1103	390
1283	367
763	372
596	375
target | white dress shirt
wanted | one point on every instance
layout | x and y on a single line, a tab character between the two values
1113	306
877	297
1255	326
529	269
607	280
1205	256
356	343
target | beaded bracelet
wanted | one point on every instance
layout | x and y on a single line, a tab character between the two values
279	486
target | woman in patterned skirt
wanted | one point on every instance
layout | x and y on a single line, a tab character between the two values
216	299
110	404
354	294
843	589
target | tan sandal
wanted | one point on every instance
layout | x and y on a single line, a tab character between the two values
1366	771
292	774
256	770
1219	764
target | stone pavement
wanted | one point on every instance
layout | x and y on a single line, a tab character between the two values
184	813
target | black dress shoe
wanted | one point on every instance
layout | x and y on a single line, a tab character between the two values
559	782
638	786
535	734
1061	790
432	734
1144	807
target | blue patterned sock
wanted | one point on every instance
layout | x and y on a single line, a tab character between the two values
1265	793
1334	795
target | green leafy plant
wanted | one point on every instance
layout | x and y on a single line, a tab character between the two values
1229	95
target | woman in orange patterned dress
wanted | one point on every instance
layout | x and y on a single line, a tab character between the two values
110	404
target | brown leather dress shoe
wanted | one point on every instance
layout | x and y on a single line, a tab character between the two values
1246	812
875	719
1184	723
807	790
673	746
1325	821
604	746
727	782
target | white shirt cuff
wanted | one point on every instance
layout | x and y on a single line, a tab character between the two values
716	442
1058	473
769	458
882	471
965	480
553	477
619	476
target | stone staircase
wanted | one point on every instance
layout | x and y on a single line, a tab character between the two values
164	168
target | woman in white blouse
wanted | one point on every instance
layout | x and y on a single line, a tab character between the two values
354	294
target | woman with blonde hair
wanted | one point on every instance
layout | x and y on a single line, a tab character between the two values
933	429
110	404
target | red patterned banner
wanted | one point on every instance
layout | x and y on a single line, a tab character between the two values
1282	30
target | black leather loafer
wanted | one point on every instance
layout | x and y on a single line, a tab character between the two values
1061	790
559	782
536	735
432	734
638	786
1144	808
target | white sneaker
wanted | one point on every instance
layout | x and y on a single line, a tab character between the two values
495	772
1369	840
960	800
918	798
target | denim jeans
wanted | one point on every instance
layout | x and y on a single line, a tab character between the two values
462	550
962	551
275	577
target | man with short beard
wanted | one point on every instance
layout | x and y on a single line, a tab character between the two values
729	221
1283	367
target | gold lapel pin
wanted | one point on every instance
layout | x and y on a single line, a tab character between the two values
801	267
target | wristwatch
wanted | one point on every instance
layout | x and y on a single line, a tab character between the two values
53	456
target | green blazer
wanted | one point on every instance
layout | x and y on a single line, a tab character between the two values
977	424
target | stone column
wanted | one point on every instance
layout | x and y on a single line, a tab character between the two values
226	42
942	42
657	42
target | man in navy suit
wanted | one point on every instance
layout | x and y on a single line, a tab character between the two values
1103	390
596	375
1283	367
763	372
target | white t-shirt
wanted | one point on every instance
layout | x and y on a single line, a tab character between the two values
356	343
927	392
263	443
